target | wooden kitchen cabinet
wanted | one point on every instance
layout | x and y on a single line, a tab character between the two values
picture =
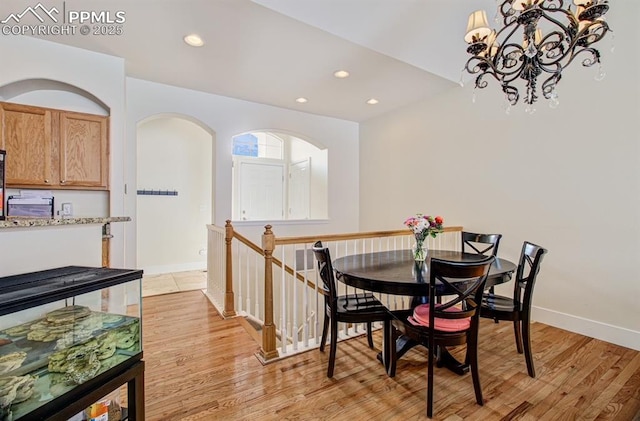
83	150
26	136
54	149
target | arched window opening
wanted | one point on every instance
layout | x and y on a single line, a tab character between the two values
278	177
259	145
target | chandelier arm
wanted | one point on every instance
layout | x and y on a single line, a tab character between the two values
511	93
571	54
481	83
487	68
549	84
549	67
507	12
499	35
587	62
551	57
518	50
572	20
477	67
551	5
601	29
510	77
478	64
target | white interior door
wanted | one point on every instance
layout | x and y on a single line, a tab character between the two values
261	190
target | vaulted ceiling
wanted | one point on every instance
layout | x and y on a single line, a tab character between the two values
274	51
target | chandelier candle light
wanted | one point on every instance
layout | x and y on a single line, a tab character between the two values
422	227
539	36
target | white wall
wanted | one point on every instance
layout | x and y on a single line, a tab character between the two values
227	117
173	154
102	76
567	179
25	250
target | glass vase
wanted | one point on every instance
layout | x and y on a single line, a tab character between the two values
420	251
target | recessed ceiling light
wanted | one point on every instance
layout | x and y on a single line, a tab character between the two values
301	100
372	101
341	74
194	40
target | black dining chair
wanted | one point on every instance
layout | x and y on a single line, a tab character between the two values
449	323
518	307
485	244
350	308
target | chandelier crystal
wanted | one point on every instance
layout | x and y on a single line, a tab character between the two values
539	38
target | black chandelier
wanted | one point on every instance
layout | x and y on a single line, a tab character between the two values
539	36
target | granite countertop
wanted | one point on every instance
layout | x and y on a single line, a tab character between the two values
18	222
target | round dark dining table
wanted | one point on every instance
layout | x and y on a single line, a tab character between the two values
396	272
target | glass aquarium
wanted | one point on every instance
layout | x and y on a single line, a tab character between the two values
62	332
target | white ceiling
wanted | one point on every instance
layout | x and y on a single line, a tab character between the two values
273	51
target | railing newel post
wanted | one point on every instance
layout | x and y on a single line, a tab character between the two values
229	301
268	350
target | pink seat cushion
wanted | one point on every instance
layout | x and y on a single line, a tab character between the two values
421	318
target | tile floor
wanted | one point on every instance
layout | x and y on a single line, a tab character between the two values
167	283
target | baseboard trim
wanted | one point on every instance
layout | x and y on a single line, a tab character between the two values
182	267
591	328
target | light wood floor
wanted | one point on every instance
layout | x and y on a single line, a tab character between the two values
201	367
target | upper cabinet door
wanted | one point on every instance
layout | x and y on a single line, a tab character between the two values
84	156
26	136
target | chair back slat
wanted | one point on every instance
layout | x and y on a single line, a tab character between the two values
531	258
486	244
325	269
464	284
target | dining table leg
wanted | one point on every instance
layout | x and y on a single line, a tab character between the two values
445	359
385	356
404	344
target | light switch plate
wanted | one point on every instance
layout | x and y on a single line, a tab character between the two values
67	209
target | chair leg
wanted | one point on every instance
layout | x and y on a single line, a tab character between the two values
325	328
369	335
526	339
518	334
333	344
432	357
472	354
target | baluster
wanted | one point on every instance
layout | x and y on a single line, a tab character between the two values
241	247
294	281
247	306
305	298
283	306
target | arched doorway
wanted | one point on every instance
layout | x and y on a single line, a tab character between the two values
174	194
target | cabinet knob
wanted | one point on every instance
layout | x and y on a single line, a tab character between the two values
63	181
46	180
